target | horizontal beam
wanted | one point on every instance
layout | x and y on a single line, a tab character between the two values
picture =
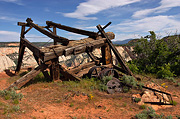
65	50
62	40
26	24
74	30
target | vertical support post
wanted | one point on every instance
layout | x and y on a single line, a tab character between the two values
106	54
21	50
54	69
54	31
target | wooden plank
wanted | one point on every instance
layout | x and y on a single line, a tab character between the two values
73	50
27	25
74	30
21	50
29	76
67	74
81	67
117	54
83	72
62	40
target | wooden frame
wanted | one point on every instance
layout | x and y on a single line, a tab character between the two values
48	57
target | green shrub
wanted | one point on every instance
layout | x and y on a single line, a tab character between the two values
150	113
16	108
173	103
143	107
157	56
129	80
137	100
11	94
165	72
171	79
133	67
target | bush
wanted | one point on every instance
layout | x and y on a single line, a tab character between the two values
11	94
151	114
157	56
132	66
165	72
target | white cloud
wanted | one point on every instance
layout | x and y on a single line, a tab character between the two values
165	5
161	24
18	2
6	18
123	36
7	36
94	6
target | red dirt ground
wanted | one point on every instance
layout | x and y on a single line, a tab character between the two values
44	101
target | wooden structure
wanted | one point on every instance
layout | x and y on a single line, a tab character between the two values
48	57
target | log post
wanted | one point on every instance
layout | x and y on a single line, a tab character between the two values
21	50
54	69
106	54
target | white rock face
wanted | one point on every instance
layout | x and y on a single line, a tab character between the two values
67	62
6	63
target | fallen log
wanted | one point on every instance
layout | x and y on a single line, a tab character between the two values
29	76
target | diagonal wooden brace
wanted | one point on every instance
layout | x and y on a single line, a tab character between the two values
29	76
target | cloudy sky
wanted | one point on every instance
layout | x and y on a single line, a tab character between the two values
130	18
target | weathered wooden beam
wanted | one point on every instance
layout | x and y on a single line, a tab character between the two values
27	25
54	69
106	54
33	48
21	50
105	26
26	78
74	30
73	50
62	40
67	74
81	67
117	54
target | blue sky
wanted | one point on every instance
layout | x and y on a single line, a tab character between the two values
130	18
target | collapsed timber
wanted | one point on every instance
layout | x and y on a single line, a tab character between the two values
48	57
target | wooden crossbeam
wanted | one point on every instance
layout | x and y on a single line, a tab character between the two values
65	50
62	40
71	29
